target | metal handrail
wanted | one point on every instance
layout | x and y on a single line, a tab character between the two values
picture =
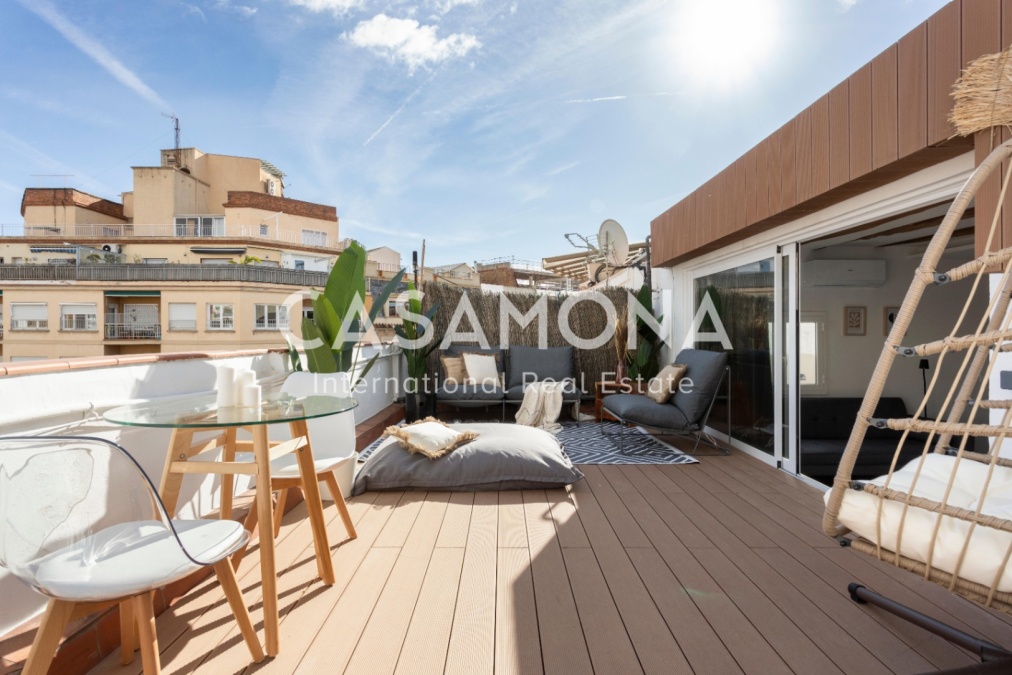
168	272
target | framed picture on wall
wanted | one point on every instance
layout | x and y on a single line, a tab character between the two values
888	319
855	320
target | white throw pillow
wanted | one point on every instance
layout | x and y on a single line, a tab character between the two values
481	369
429	437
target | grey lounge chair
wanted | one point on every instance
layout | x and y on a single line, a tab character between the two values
688	411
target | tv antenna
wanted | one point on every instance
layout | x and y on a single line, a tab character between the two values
175	126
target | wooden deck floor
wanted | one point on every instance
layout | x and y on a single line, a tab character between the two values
718	567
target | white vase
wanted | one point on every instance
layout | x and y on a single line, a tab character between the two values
332	436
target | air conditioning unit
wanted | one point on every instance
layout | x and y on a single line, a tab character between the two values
830	273
112	248
272	186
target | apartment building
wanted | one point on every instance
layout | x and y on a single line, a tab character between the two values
200	254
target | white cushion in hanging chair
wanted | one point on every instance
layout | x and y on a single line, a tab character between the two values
988	546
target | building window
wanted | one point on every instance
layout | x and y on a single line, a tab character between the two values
83	316
215	261
271	317
265	230
200	226
61	261
812	352
29	316
314	238
156	261
300	264
182	316
220	317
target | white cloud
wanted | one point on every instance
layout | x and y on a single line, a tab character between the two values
445	6
562	169
846	5
245	11
408	41
333	6
95	51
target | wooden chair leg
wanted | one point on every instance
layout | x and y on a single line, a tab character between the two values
127	632
47	639
147	636
342	508
250	523
279	510
226	577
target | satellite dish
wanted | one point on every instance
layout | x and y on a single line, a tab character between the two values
613	243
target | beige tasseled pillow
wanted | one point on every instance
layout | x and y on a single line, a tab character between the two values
454	372
662	387
429	437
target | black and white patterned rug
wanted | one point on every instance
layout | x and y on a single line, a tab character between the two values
585	444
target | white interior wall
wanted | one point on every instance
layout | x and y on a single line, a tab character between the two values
851	359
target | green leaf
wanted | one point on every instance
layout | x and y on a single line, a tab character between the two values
365	371
380	301
347	278
319	359
326	319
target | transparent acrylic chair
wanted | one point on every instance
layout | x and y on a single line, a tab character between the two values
81	523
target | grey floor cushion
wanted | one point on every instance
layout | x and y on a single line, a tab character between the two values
503	457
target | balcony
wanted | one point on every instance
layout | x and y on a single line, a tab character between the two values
118	327
117	232
718	567
167	272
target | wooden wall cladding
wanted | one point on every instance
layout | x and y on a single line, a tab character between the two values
888	119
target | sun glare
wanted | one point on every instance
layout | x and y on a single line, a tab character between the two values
720	44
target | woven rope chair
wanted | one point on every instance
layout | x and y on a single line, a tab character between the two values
946	515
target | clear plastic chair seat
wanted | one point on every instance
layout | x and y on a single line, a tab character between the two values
130	558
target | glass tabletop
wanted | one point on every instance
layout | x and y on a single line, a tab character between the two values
198	412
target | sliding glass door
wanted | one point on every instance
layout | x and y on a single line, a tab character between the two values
757	307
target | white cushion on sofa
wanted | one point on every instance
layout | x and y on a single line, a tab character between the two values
988	546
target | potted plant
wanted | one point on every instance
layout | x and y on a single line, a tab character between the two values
340	304
332	356
419	402
644	362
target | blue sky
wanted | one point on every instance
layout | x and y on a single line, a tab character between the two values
489	127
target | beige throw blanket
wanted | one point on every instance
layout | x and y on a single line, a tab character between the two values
541	407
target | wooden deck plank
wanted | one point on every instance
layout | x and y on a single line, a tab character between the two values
472	638
301	625
889	649
382	639
428	637
683	528
699	642
567	523
338	636
457	521
611	650
396	531
517	643
656	648
512	524
563	647
622	522
793	645
740	637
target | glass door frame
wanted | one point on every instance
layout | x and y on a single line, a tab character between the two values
721	264
786	384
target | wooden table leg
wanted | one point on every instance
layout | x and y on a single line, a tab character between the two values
314	505
265	514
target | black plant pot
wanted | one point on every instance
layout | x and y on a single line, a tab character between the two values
413	407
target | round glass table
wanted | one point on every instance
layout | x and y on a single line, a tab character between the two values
202	412
191	415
